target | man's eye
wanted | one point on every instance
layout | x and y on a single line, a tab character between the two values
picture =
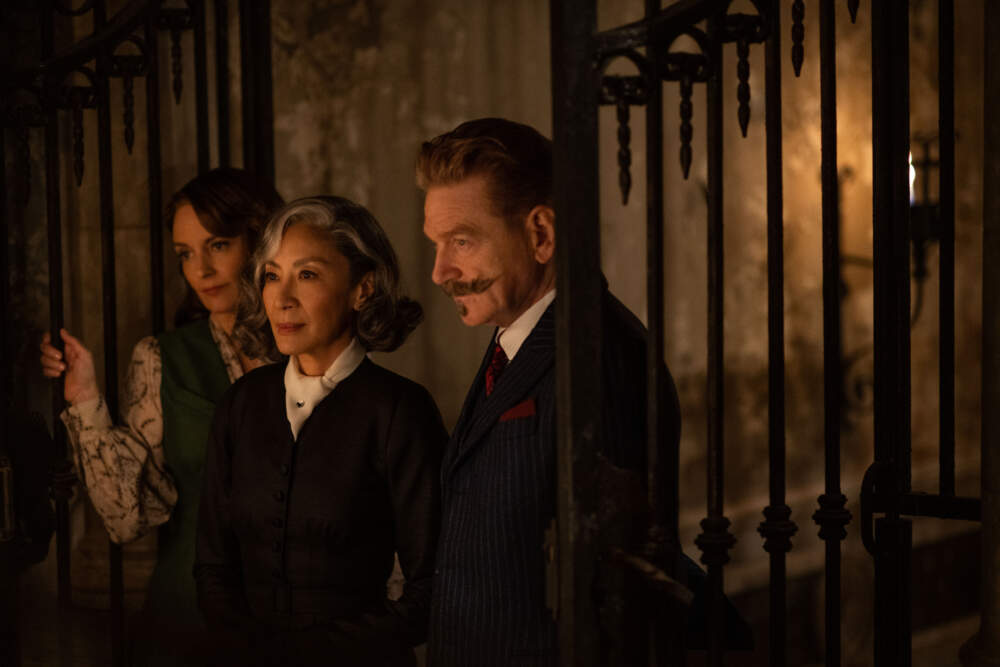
462	243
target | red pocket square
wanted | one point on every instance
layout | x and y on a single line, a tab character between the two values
522	409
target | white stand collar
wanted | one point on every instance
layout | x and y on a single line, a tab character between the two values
304	392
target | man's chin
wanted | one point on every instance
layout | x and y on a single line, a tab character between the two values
468	320
470	317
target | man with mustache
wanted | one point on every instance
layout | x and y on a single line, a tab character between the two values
488	211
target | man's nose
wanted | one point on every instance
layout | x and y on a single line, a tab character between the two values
443	270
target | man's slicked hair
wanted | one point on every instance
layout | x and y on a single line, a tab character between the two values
515	159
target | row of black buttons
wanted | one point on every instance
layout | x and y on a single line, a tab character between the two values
279	523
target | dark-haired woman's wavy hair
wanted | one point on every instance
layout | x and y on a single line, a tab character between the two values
386	317
229	202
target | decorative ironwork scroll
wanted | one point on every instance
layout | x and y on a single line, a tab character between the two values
622	92
798	35
686	68
176	21
128	67
75	99
744	29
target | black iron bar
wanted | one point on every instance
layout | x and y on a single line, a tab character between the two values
713	124
258	103
777	527
155	173
981	648
222	78
665	639
775	320
662	490
832	515
891	201
831	244
10	649
63	474
200	84
890	130
6	365
893	542
263	90
578	324
108	309
248	85
946	218
715	540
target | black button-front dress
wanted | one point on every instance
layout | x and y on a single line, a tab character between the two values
296	537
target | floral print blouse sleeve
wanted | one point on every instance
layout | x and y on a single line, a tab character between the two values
123	467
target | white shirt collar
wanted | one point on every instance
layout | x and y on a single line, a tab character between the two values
512	338
304	392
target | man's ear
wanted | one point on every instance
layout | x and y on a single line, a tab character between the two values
365	289
541	228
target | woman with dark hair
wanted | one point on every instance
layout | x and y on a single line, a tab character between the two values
146	471
319	469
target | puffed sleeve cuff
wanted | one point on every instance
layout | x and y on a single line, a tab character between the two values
91	414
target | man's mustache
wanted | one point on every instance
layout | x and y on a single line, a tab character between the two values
455	288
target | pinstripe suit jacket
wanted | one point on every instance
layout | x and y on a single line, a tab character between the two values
498	485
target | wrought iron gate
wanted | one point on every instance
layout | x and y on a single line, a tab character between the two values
580	56
41	99
74	79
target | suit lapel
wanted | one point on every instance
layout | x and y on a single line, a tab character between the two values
530	363
466	416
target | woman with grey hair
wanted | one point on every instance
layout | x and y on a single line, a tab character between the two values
321	468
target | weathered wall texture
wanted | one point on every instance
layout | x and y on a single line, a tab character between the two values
358	84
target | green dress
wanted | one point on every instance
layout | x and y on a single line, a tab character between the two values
194	379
